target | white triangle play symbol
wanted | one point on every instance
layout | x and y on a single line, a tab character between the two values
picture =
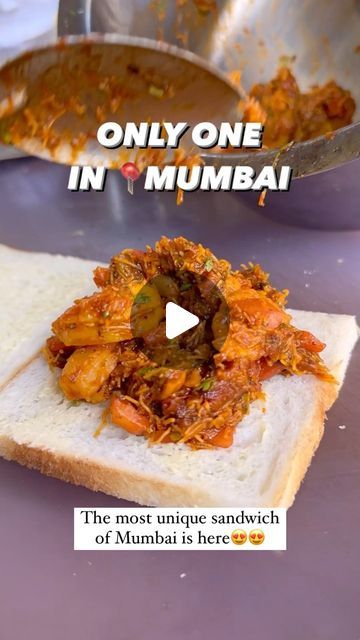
178	320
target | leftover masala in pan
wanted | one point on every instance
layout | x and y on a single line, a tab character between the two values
76	95
289	115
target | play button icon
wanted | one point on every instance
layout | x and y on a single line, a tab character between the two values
178	320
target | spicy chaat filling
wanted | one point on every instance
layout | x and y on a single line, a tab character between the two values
221	364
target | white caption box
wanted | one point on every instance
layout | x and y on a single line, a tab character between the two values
183	528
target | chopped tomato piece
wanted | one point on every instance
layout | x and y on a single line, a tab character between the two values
309	342
55	345
56	352
125	415
269	370
101	276
224	438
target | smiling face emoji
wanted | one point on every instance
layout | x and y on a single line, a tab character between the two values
256	536
239	536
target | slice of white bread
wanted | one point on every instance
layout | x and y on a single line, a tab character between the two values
34	289
273	446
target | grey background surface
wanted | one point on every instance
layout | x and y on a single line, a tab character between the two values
311	590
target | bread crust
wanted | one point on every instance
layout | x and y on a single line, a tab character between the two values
306	447
120	483
148	490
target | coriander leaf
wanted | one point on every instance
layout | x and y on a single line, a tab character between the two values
144	370
141	298
185	286
206	384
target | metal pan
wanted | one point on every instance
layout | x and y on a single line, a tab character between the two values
321	40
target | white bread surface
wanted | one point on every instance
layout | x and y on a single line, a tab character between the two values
34	289
273	445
